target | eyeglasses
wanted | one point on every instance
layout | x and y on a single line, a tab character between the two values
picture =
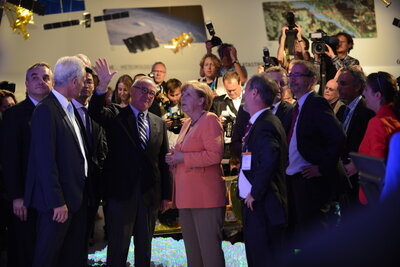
145	90
296	75
158	71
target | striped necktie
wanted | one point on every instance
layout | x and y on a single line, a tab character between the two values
142	127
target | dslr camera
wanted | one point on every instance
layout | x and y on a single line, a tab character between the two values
290	33
176	122
215	40
320	40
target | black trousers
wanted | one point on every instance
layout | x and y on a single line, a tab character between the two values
309	204
263	241
125	217
61	244
22	236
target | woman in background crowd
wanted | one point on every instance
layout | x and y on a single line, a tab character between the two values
382	96
199	190
209	66
121	93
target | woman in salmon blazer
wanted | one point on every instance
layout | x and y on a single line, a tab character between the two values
199	190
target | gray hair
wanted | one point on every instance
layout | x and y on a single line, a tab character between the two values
66	69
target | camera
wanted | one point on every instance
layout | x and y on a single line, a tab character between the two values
269	61
176	122
290	33
320	40
215	41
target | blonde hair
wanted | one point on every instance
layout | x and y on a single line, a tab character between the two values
202	90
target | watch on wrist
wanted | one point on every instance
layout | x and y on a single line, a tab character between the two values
235	61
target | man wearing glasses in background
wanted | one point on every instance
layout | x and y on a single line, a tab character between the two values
137	178
315	141
158	73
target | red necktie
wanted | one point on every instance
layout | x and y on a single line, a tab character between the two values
295	114
246	131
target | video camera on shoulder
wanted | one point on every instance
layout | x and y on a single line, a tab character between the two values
320	40
215	40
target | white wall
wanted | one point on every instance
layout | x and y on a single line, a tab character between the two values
240	22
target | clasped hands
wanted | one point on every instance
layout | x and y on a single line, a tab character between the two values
174	157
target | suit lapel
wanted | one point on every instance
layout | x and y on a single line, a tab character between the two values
154	130
127	121
65	117
260	118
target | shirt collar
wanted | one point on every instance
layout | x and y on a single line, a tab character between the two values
354	103
35	102
256	115
303	98
136	111
79	105
62	99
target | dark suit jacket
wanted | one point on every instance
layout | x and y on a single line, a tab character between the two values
56	173
284	113
320	138
357	127
239	129
15	146
127	166
220	104
97	150
267	143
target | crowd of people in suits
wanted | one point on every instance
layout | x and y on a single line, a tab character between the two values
151	145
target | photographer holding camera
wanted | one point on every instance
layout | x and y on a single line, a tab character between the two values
173	115
300	46
227	53
340	53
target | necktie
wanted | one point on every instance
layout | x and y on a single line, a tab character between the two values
246	132
70	112
142	127
345	113
87	122
295	114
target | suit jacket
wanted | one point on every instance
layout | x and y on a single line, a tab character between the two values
320	139
56	173
128	167
266	141
97	150
357	127
284	113
198	180
220	103
15	145
239	129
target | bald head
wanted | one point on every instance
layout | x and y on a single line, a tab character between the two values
331	93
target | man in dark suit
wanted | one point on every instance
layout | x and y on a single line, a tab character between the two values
280	108
354	117
226	108
96	143
316	140
262	175
137	177
16	141
57	171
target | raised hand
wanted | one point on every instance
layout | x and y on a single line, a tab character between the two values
104	74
